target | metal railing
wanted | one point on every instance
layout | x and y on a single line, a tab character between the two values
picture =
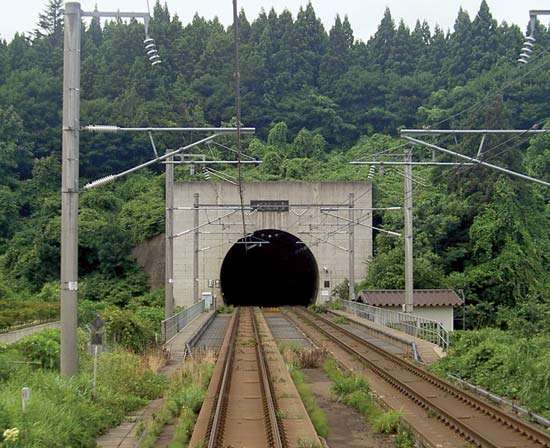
171	326
411	324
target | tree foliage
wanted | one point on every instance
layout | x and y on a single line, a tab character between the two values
319	99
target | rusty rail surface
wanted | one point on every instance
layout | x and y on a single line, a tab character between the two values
477	421
245	393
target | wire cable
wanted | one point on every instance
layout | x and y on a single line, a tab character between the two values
238	110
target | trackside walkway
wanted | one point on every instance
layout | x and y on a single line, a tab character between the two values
428	351
123	436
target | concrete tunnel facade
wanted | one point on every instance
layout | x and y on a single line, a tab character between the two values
295	251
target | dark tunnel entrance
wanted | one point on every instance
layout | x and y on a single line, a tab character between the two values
272	268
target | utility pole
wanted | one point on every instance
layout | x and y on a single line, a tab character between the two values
69	189
408	205
196	248
169	241
351	248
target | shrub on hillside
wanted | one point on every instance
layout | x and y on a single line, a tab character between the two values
508	365
128	329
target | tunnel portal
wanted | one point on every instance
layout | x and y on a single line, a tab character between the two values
271	268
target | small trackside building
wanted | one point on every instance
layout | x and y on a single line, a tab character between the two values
434	304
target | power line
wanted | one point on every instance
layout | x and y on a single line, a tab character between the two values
238	110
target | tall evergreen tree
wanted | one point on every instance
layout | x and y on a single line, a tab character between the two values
459	57
381	44
338	57
50	23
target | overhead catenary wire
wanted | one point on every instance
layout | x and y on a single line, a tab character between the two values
238	111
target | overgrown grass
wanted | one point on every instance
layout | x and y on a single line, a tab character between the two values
316	414
62	411
320	309
354	391
304	358
503	363
184	398
335	304
226	309
340	320
297	357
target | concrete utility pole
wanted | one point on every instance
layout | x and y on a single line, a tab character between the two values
169	239
196	248
351	248
69	189
409	281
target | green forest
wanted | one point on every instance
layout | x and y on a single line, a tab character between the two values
319	98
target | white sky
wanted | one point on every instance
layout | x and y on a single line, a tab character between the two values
364	15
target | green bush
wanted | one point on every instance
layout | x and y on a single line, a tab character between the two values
504	363
42	348
119	290
320	309
18	311
125	327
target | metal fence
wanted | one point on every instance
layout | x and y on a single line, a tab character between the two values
171	326
420	327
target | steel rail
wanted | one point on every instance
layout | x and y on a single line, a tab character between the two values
536	436
217	422
218	417
277	439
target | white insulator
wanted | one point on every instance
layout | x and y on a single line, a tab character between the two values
149	40
527	50
102	128
100	182
530	39
156	62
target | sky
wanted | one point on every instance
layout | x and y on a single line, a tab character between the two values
364	15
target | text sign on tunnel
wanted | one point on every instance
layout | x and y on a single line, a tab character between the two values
270	205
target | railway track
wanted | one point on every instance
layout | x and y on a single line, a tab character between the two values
475	420
251	400
245	413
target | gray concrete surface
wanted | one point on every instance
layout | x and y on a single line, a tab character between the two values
307	224
13	336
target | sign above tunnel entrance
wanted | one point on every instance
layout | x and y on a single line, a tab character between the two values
270	205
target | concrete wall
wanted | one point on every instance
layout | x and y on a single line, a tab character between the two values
306	223
441	314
